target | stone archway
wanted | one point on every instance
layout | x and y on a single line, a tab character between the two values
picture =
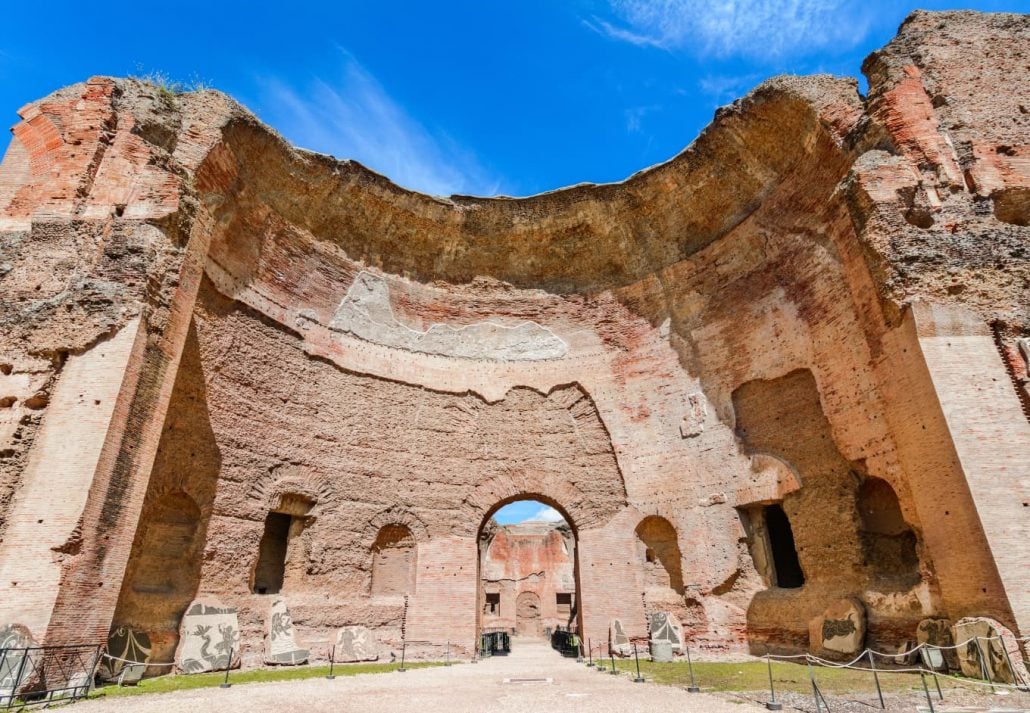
528	575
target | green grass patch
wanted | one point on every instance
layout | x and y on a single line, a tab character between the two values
754	676
185	682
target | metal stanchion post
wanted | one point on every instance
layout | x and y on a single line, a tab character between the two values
18	679
983	664
90	676
815	689
772	704
447	654
613	672
639	678
332	657
924	656
1020	684
404	647
929	701
876	677
692	688
590	653
228	665
3	658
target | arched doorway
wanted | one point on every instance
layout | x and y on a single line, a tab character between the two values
528	569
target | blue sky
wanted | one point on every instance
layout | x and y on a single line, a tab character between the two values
482	97
525	511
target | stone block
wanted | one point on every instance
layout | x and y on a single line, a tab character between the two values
661	651
982	646
12	673
841	628
618	640
281	645
356	643
665	626
937	632
124	645
209	638
131	674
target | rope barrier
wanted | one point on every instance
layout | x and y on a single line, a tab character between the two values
908	652
868	652
144	663
955	646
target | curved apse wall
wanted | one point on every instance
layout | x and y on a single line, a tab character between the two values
757	323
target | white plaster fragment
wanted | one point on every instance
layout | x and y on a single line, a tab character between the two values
693	423
366	313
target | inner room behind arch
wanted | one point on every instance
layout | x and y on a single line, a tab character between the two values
527	571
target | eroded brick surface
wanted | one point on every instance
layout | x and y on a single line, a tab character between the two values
323	384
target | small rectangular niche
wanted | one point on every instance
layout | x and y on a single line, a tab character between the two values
563	600
492	605
271	564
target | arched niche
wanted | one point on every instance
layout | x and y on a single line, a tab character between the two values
659	553
163	572
166	554
394	561
888	543
527	614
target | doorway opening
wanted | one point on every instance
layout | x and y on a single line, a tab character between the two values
271	565
789	574
528	571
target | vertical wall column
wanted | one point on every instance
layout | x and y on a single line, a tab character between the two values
94	468
609	582
44	527
965	447
120	485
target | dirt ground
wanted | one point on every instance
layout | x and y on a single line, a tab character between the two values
532	678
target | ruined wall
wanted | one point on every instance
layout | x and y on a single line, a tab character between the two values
807	321
529	567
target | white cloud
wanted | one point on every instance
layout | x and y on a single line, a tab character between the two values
603	27
754	28
545	514
353	116
635	117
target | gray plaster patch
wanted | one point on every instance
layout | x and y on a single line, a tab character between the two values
618	642
12	671
356	643
124	644
366	313
282	645
666	627
209	638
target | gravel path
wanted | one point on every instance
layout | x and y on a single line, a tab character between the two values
479	688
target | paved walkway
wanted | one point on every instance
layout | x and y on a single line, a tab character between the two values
479	688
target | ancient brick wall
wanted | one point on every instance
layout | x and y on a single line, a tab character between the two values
318	382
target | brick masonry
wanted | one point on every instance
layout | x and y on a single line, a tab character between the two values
809	300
